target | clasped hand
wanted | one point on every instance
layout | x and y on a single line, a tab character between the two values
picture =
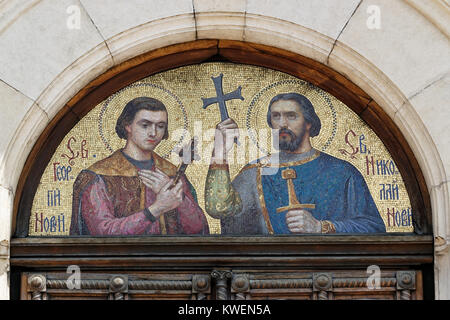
167	198
302	221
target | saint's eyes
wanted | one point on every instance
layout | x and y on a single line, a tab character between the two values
289	116
158	125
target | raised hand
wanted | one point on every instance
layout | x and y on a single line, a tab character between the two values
226	132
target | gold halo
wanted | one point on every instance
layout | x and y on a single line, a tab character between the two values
257	110
114	105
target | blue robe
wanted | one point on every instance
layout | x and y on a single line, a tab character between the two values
336	187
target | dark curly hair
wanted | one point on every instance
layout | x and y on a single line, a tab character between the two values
306	109
133	107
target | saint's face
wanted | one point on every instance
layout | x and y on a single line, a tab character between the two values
147	129
286	116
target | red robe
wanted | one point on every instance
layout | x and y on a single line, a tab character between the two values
109	199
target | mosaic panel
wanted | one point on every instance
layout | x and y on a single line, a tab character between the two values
97	183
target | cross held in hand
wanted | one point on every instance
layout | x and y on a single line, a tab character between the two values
222	98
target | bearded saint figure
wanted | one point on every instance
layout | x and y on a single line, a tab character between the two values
338	196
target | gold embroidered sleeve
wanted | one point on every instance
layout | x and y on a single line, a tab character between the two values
221	199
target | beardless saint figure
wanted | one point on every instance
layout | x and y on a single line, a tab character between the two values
130	192
258	200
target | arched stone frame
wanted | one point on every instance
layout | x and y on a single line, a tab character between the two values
342	58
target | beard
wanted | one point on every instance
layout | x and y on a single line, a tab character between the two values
292	142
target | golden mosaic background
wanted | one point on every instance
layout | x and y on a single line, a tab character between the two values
181	91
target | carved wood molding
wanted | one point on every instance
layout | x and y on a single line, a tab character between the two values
406	283
198	253
281	284
114	287
118	287
221	284
160	285
221	278
132	285
322	284
240	286
84	284
201	286
37	285
228	251
362	282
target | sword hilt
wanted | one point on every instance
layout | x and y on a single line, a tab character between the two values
289	175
